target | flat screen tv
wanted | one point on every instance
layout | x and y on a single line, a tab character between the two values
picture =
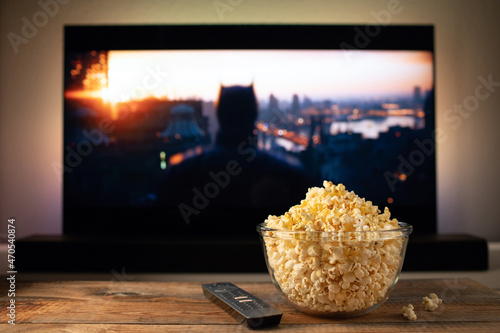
143	151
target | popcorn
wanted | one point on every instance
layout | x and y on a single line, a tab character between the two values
432	302
408	312
340	263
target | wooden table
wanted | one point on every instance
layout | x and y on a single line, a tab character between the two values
128	306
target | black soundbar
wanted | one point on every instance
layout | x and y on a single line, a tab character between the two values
105	254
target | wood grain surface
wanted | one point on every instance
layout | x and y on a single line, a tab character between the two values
128	306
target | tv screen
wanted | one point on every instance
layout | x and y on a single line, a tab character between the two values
202	131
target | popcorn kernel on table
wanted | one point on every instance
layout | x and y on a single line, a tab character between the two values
432	302
408	312
337	275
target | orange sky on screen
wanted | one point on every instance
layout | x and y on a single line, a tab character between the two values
316	74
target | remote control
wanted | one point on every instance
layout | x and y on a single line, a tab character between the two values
242	305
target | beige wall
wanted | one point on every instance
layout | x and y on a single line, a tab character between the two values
467	47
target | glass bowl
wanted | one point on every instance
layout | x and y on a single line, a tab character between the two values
335	274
